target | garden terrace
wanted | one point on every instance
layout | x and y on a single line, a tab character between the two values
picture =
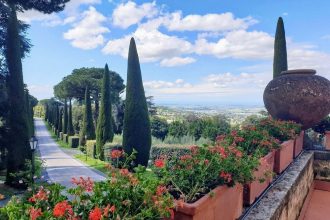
299	193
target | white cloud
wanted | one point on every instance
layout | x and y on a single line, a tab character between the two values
69	14
41	91
129	13
88	33
209	22
239	44
152	45
177	61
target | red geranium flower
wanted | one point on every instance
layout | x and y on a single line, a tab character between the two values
95	214
116	154
159	163
40	196
35	213
63	208
86	184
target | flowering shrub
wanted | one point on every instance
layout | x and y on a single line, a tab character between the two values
124	195
195	174
250	139
281	130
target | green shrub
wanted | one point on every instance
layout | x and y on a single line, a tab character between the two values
170	152
91	148
73	141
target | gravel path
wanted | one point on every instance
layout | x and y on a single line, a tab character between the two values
60	167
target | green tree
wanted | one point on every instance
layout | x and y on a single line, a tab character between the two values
280	56
104	132
178	129
88	129
60	120
18	120
70	129
65	117
159	127
136	132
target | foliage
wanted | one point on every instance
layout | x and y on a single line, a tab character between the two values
178	129
70	129
88	129
280	56
125	195
281	130
202	169
77	117
136	132
104	132
159	127
18	121
65	117
322	126
251	140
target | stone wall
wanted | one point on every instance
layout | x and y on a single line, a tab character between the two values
285	198
322	165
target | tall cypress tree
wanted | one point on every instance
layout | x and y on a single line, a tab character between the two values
60	119
70	125
136	132
88	124
18	143
28	113
104	132
65	117
280	56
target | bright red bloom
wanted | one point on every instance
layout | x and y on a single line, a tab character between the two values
185	157
124	172
206	162
161	190
108	209
40	196
86	184
35	213
238	139
63	208
226	176
194	150
95	214
159	163
112	209
115	154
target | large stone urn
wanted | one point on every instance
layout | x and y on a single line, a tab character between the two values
298	95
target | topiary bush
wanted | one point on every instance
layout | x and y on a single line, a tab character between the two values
91	148
73	141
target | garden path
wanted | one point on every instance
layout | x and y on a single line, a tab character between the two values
60	167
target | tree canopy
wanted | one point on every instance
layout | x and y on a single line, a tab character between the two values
74	85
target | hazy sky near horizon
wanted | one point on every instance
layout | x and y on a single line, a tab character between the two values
191	52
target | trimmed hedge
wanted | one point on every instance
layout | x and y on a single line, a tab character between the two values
73	141
155	152
91	148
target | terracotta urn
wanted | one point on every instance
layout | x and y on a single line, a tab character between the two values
298	95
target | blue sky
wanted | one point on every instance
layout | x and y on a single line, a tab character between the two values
191	52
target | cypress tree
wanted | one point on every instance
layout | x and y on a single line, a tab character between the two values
280	56
18	138
70	125
104	132
65	117
136	132
28	113
60	118
88	124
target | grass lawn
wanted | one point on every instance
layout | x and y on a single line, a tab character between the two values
95	163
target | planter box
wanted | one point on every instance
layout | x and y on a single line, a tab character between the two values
65	138
298	144
254	189
61	136
283	156
225	204
73	141
327	140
